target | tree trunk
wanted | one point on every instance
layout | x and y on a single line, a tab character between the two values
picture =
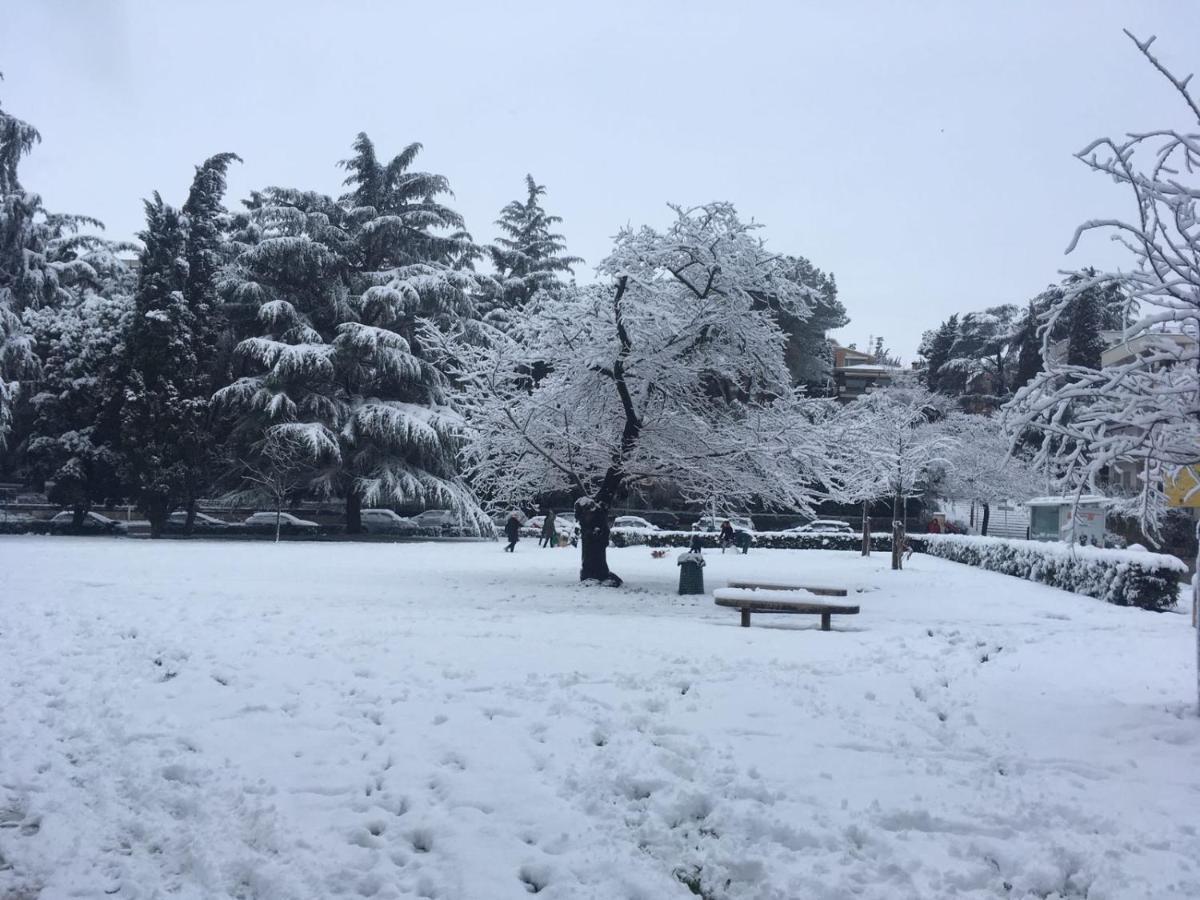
77	515
156	513
866	528
190	522
987	512
353	512
592	516
278	517
897	532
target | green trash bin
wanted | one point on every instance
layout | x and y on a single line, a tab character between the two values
691	573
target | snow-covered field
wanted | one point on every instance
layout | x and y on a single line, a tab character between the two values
448	721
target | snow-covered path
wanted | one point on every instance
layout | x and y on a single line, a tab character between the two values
445	720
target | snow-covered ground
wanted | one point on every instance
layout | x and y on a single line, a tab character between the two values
201	719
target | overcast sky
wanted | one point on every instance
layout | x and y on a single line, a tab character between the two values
922	152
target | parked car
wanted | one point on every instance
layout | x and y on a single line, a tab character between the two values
202	522
634	522
823	526
264	521
386	521
93	523
711	523
437	519
8	517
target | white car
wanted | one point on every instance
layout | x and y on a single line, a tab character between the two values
436	519
386	521
265	520
634	522
710	523
179	518
92	521
823	526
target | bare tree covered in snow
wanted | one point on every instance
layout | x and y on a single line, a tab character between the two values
1144	414
980	468
667	370
281	467
890	443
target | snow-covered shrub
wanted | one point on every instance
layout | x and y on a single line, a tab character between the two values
767	540
1122	577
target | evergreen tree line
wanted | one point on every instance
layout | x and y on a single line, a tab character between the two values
289	329
985	357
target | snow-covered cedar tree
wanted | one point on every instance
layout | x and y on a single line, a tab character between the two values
41	256
979	467
528	257
72	447
890	443
1141	415
165	406
340	286
667	370
973	353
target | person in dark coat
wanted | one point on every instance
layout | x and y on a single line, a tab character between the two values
512	531
726	535
549	532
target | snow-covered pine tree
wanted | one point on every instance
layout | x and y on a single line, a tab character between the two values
40	256
164	407
979	358
527	257
1084	341
205	251
1029	346
935	347
340	287
629	396
412	263
808	354
73	446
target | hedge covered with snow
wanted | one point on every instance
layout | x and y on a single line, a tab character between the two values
1122	577
767	540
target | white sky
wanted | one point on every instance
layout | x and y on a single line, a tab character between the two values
922	151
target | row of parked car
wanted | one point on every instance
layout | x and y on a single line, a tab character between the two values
564	523
386	521
375	521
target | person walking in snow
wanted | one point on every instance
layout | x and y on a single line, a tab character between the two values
549	532
512	531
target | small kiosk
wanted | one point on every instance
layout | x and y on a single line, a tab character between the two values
1062	519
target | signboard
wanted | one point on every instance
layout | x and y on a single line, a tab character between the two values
1183	488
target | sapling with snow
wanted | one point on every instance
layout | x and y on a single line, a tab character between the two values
890	443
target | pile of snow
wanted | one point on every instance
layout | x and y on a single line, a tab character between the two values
283	722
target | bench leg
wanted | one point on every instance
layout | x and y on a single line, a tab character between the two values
824	621
745	618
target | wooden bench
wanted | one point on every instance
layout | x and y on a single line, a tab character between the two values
765	601
783	586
